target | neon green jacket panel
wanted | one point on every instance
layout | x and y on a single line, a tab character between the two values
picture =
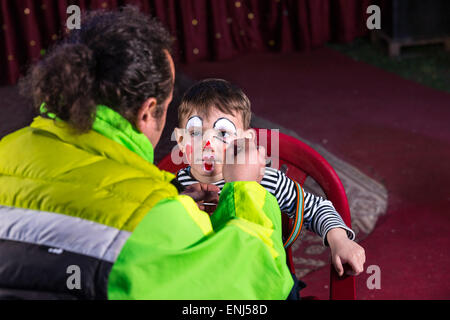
241	258
47	167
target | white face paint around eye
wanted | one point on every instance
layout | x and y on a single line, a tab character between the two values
194	126
225	127
194	121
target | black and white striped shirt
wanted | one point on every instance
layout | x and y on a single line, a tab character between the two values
319	214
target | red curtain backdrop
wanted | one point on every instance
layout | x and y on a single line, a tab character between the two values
203	29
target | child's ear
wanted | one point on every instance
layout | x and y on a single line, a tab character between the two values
179	136
250	134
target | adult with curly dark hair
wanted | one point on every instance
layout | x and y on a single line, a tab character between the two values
85	214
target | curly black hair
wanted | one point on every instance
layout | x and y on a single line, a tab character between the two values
117	58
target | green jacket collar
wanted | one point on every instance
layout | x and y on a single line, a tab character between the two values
112	125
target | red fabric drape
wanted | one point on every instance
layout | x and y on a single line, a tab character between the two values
204	29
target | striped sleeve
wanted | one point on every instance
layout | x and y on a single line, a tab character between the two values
320	216
282	188
185	178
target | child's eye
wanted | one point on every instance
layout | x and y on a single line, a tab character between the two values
195	133
224	134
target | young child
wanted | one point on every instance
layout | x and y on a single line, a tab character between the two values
212	114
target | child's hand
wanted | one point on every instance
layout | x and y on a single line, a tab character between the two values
344	250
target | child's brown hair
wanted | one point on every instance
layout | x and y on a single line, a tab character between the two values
215	93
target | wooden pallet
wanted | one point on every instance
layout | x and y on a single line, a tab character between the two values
394	46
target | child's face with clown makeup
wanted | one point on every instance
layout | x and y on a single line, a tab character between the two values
203	140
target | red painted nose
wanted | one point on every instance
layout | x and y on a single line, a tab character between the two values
207	145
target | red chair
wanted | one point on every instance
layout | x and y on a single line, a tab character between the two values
302	161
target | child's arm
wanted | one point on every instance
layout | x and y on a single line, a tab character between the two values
320	217
319	214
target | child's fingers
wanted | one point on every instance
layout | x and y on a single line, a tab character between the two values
338	265
357	265
194	191
212	197
361	259
355	257
210	187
